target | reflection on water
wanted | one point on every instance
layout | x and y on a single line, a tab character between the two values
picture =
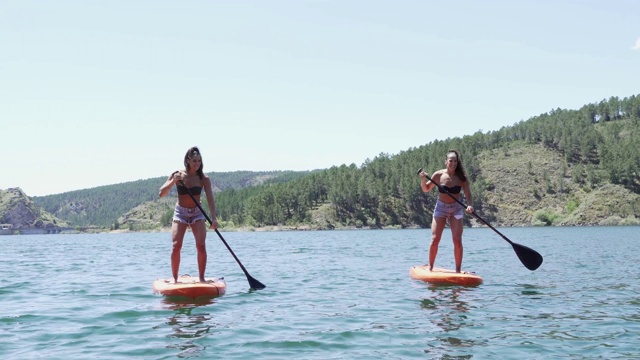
188	324
450	312
176	303
447	306
532	290
447	296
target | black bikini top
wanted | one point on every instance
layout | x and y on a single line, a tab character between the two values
452	190
194	190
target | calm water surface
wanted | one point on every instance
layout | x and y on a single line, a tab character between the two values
329	295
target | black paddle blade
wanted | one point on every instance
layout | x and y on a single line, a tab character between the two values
255	284
530	258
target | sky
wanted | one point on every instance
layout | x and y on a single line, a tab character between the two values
97	93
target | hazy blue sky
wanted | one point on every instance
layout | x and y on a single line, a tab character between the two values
102	92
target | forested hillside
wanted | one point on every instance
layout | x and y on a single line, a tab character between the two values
102	206
564	167
540	171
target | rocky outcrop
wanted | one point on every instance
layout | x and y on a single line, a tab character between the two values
17	209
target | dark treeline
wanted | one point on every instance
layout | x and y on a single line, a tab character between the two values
600	141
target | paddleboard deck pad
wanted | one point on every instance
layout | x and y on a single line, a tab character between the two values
441	276
190	287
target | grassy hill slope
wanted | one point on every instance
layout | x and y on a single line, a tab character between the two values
530	185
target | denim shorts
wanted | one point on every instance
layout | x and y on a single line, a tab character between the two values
187	215
444	210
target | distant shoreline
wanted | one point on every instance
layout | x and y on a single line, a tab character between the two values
302	228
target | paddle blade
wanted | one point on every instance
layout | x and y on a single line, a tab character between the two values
255	284
530	258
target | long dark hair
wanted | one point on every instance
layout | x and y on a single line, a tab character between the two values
194	151
459	168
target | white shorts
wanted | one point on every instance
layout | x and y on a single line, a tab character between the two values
444	210
187	215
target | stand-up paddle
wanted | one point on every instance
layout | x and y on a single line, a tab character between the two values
253	283
530	258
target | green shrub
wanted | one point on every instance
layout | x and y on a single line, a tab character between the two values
545	217
572	205
630	221
611	221
167	217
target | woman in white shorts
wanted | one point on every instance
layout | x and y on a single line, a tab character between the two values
186	213
452	180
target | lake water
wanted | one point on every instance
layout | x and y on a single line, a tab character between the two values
329	295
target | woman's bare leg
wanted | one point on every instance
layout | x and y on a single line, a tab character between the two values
456	234
199	230
177	235
437	226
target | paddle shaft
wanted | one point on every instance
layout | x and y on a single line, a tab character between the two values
255	284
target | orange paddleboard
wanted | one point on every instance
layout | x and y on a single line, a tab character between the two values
444	277
190	287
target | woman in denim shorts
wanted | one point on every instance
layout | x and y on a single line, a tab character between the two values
186	213
452	180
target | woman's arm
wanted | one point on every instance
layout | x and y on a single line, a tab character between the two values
428	185
172	180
